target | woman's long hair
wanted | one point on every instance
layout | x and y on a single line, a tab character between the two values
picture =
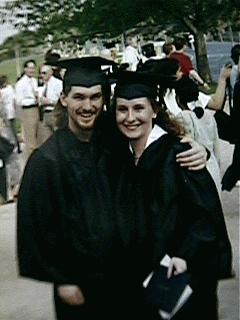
163	119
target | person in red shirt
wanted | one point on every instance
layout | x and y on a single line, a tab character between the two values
185	62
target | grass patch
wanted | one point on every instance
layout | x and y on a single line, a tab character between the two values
212	90
9	67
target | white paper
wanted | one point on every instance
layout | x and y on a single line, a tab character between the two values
183	298
164	262
185	295
146	281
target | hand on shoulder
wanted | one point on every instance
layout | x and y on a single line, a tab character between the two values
194	158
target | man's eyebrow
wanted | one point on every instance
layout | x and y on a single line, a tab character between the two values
78	94
96	93
138	105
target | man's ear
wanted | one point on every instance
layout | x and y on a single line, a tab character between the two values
63	98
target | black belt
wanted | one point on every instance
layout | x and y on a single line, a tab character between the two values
47	111
30	106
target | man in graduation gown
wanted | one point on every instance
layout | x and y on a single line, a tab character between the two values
67	229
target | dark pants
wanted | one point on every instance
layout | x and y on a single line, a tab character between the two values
3	181
106	302
232	174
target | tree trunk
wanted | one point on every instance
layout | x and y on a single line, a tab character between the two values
201	57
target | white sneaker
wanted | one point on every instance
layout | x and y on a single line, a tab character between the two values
237	183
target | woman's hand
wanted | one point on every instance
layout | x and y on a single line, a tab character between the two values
71	295
176	266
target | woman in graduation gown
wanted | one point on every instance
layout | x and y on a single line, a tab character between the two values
184	218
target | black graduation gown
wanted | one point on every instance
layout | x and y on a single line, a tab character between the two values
184	211
65	218
69	230
184	217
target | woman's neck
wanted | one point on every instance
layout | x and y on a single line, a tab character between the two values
138	147
139	144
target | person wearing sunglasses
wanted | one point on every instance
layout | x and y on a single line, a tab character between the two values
49	96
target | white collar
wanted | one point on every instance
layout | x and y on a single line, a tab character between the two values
154	135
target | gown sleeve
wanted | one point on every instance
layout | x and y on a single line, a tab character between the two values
205	243
38	234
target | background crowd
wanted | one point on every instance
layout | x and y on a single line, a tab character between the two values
89	207
30	111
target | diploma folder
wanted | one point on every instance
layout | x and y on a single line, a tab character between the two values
168	295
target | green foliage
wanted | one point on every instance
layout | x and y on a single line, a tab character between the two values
84	19
25	42
112	17
195	15
115	17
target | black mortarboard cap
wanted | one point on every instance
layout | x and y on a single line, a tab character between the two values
85	71
52	57
148	50
187	90
133	85
165	68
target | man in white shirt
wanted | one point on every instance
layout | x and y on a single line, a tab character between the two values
48	98
131	55
27	100
8	97
8	130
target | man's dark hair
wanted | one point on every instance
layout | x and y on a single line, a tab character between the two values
179	43
25	65
167	48
148	50
52	57
106	92
186	90
235	53
3	81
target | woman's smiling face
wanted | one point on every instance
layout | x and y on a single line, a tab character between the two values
134	117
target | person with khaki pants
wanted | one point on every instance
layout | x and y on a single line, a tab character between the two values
48	98
27	100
